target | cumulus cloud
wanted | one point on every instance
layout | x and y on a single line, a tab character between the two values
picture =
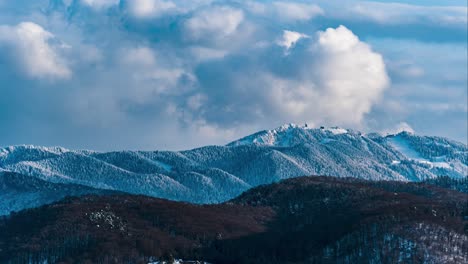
352	76
36	50
347	77
335	79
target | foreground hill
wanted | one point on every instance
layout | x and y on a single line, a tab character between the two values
215	174
302	220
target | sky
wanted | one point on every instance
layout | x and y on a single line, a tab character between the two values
179	74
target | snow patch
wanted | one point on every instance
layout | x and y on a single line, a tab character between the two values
276	137
401	145
444	165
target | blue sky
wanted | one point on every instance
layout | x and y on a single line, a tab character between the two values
176	74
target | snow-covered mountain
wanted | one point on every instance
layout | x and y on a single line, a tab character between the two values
218	173
18	192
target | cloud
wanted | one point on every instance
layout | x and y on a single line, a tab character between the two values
293	11
151	8
290	38
400	127
201	54
36	50
216	22
285	11
335	79
399	13
100	4
428	21
338	40
412	71
153	78
352	76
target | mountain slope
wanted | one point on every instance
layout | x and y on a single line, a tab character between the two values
302	220
218	173
18	192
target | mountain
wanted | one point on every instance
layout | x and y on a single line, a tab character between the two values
301	220
18	192
215	174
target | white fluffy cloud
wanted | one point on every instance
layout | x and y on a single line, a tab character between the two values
36	50
290	38
340	82
334	78
216	22
352	76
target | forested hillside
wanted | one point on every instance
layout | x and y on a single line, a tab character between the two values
302	220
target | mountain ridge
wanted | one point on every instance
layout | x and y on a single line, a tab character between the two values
215	174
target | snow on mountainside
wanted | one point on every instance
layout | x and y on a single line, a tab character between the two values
218	173
18	192
287	136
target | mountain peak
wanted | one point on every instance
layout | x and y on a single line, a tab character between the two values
289	135
11	149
